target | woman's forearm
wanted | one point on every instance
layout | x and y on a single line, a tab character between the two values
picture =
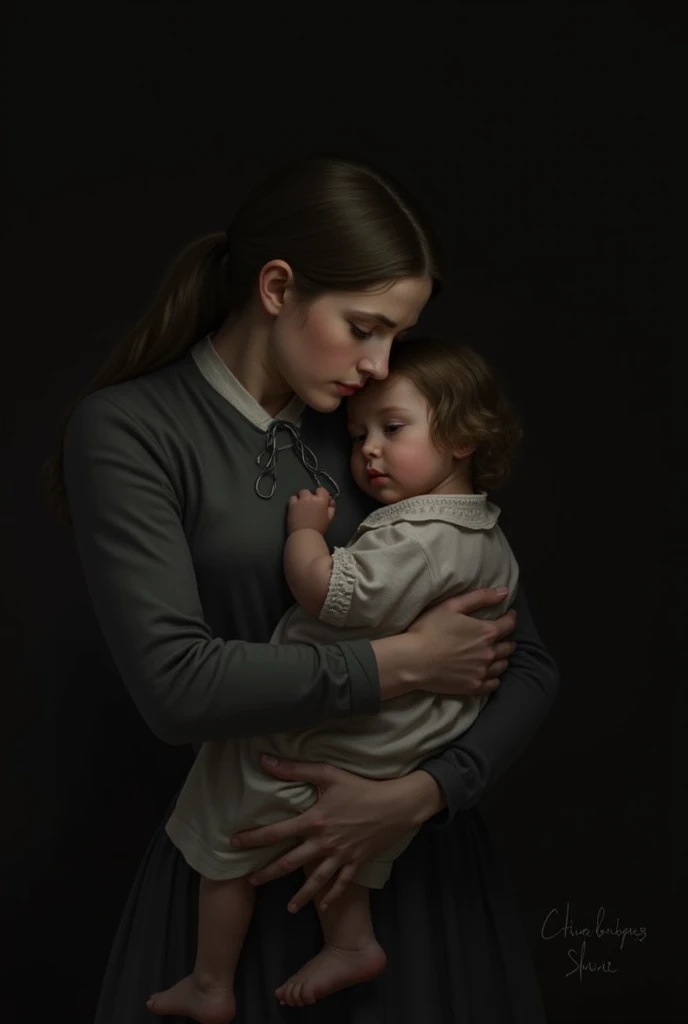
398	664
508	721
424	795
188	684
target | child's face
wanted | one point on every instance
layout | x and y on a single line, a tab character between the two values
393	456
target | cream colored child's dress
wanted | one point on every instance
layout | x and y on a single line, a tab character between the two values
402	558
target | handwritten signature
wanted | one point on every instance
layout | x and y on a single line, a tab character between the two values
553	928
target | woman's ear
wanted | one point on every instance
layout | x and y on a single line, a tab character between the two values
275	281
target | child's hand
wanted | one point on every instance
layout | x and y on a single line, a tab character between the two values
310	510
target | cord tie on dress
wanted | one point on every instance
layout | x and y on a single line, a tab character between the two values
268	460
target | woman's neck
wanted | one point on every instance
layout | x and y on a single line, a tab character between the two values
243	344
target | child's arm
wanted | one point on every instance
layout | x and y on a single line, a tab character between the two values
308	567
307	559
382	581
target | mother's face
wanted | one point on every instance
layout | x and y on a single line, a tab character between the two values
342	338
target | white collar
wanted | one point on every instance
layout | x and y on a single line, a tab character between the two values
222	380
473	511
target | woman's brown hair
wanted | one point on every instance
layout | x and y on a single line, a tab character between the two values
340	224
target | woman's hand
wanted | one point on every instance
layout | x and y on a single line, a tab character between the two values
354	819
462	655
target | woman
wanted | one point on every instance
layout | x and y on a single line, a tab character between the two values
178	466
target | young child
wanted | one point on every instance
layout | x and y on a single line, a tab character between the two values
427	442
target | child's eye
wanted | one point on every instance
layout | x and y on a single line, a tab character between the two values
359	333
392	428
356	438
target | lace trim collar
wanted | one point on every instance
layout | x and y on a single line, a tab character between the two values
470	510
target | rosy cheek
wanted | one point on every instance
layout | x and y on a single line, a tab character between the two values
316	338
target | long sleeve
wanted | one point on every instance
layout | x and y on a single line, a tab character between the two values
503	729
188	685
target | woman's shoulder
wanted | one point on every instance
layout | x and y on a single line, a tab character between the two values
145	402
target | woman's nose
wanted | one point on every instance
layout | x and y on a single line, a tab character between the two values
375	364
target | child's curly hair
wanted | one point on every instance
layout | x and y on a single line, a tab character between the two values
468	402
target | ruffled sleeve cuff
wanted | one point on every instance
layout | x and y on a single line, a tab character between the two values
342	581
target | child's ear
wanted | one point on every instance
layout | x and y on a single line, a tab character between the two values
464	451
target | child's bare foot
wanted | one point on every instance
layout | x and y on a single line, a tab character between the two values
208	1004
330	971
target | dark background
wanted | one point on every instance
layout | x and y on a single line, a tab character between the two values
540	137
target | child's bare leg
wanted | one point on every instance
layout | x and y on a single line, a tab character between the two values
207	995
351	953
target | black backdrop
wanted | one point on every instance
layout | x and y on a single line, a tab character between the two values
539	136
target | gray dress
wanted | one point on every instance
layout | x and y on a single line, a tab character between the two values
183	561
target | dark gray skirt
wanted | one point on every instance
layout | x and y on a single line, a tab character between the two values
455	945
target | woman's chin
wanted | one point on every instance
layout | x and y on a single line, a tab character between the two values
322	401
